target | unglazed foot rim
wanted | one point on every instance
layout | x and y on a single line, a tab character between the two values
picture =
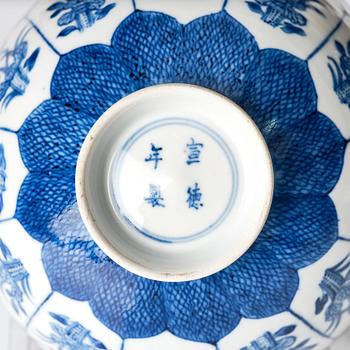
174	182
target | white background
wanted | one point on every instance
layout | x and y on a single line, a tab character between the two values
12	336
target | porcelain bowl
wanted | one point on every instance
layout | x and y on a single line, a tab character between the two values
177	176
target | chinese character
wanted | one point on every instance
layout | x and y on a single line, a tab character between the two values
194	151
155	155
194	197
155	198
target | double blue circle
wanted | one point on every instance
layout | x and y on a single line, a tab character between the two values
118	203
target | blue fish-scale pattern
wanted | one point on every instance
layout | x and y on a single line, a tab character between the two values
42	198
90	79
217	54
260	284
135	41
307	157
278	91
51	137
298	231
130	305
190	305
71	259
273	86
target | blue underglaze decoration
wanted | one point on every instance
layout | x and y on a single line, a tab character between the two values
194	151
155	197
155	155
15	66
3	175
283	339
335	299
322	44
273	86
79	14
194	197
286	14
14	279
70	335
184	122
340	71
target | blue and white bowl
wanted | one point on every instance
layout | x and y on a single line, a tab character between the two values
177	176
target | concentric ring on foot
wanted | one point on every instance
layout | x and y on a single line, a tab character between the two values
174	182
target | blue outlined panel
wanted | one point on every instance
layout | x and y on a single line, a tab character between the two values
27	64
23	281
67	25
295	28
326	302
12	174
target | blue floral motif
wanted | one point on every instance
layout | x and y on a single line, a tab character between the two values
69	335
281	340
277	91
15	66
285	14
3	175
336	293
341	73
14	279
79	14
